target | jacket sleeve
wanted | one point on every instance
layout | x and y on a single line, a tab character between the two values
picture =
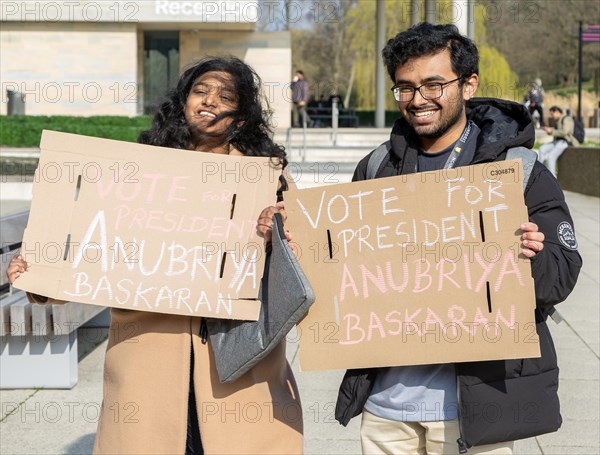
354	393
554	269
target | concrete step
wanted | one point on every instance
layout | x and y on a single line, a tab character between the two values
309	174
369	137
326	154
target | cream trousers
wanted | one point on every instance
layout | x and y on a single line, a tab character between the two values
389	437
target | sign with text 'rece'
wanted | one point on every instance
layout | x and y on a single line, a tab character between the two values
415	269
147	228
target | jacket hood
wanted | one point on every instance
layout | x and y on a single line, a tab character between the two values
503	124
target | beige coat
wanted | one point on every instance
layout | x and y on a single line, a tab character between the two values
146	387
146	382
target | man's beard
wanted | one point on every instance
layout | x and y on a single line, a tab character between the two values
447	120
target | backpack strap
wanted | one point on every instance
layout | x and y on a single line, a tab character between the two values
527	156
378	159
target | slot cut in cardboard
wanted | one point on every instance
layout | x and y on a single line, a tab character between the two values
119	225
418	269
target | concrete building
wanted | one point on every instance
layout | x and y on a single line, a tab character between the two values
110	57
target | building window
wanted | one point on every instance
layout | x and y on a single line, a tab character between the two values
161	67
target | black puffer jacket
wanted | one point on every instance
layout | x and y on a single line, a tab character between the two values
511	399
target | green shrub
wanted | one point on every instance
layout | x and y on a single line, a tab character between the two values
26	130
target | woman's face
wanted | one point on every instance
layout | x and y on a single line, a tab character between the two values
212	94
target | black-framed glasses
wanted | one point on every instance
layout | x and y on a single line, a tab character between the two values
429	90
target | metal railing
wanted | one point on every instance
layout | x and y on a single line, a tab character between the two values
335	114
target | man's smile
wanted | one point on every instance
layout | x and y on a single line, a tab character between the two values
424	113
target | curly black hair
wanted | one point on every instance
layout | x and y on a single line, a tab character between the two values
426	39
249	131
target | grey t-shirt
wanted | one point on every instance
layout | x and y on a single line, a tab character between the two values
432	161
421	393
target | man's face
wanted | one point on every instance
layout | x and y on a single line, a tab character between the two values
555	115
440	121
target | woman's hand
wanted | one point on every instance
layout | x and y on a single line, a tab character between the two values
264	225
532	239
16	267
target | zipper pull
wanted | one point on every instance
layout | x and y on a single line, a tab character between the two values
203	331
462	445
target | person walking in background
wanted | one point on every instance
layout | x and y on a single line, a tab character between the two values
535	100
562	137
440	408
300	96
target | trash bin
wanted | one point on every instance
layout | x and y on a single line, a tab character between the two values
16	103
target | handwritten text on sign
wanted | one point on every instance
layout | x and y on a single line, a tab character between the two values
177	235
416	269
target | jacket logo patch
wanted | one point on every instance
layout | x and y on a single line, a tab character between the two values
566	235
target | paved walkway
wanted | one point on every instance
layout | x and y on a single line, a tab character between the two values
64	421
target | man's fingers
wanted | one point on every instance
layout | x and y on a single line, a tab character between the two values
528	253
533	245
529	227
532	239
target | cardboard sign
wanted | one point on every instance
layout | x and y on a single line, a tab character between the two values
147	228
416	269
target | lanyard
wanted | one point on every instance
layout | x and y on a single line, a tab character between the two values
464	149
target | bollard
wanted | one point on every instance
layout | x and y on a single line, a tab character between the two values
335	114
16	103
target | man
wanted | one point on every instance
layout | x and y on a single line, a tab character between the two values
445	408
562	137
535	100
299	100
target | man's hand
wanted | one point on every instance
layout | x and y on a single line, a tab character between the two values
16	267
547	129
532	239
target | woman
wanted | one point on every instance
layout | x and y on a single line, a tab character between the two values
161	389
